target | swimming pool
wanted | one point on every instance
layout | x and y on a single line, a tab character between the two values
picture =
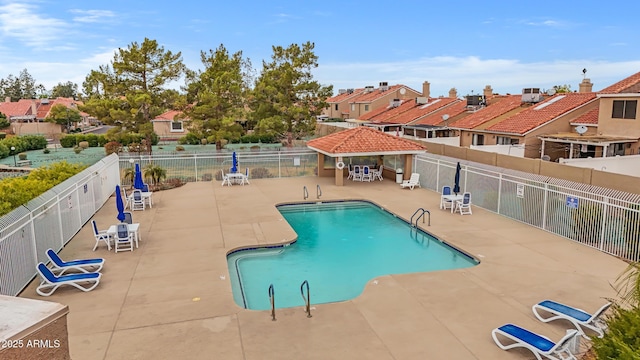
340	247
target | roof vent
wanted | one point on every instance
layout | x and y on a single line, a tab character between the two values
384	86
44	101
531	95
475	100
395	103
421	100
349	91
342	91
368	88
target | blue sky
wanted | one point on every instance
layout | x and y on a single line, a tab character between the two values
462	44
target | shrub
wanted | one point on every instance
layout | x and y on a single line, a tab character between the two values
622	338
203	141
46	151
3	135
260	173
189	139
83	144
22	156
77	149
112	147
179	148
68	141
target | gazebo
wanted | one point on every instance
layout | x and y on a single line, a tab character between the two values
336	151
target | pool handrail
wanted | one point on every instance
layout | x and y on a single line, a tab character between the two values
318	191
307	301
420	216
272	299
305	192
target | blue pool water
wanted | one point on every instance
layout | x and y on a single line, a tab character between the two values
340	247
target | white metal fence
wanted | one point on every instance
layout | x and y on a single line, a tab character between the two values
606	219
50	221
206	167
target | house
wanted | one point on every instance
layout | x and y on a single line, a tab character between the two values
339	104
610	128
170	125
27	116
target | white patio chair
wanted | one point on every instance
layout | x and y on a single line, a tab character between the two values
225	178
445	203
464	205
357	174
124	238
100	236
366	174
413	181
137	202
378	174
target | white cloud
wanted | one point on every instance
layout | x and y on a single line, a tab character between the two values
22	21
92	16
473	73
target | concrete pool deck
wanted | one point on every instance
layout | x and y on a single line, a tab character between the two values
171	297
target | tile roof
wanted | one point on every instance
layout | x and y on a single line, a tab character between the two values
542	112
16	108
458	107
419	111
589	118
167	115
385	113
363	139
498	106
623	85
367	97
342	97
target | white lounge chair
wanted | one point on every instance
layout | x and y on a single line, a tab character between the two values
464	205
413	181
100	236
540	346
51	282
549	310
59	266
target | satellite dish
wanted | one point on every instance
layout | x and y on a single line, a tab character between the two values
402	91
445	117
581	129
551	92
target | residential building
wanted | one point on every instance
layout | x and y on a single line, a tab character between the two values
27	116
169	125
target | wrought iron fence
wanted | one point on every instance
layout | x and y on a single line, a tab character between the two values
606	219
50	221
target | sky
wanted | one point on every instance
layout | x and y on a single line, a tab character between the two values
464	45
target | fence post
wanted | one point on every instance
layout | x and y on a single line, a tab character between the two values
279	165
437	174
195	162
544	206
499	191
605	205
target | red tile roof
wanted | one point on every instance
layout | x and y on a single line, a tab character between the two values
435	118
367	97
622	85
498	106
363	139
542	112
419	111
590	117
17	108
167	115
389	112
342	97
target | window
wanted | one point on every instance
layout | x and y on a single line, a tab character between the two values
336	107
478	139
624	109
353	107
366	108
176	126
505	140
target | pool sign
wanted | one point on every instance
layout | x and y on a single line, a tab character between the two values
572	202
520	190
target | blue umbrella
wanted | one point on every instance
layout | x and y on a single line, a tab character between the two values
234	160
119	204
138	183
456	185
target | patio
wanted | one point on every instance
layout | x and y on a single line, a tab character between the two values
171	297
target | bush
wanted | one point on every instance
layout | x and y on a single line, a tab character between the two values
260	173
189	139
3	135
622	338
77	149
112	147
179	148
22	156
83	144
46	151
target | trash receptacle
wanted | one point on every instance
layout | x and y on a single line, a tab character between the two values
399	176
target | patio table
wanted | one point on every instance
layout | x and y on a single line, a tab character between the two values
134	228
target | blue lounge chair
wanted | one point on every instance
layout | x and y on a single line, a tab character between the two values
539	345
59	266
549	310
51	282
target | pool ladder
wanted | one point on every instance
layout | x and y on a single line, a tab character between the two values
305	192
307	299
422	212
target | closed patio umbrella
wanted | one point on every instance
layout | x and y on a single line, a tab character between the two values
119	204
456	183
138	183
234	161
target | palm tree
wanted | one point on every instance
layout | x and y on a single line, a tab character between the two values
154	173
129	174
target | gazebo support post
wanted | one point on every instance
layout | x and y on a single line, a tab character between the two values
339	174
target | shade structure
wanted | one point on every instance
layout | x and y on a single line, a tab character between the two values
234	161
456	180
138	183
119	204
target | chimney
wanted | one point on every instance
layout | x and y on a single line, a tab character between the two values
7	99
426	89
586	86
487	92
453	93
34	108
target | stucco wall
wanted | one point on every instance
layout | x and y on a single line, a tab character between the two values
617	127
47	129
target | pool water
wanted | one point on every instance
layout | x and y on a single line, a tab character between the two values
341	246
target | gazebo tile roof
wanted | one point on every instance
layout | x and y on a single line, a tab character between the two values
363	139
